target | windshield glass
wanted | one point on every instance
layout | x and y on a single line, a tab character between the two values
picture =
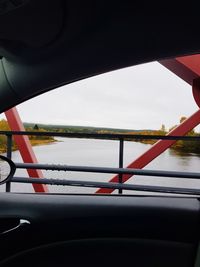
100	119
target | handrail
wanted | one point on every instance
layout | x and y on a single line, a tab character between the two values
121	171
157	173
130	187
103	135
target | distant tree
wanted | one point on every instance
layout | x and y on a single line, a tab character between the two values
187	146
4	125
182	119
172	128
192	132
163	129
36	127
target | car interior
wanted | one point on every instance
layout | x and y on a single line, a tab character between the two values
46	44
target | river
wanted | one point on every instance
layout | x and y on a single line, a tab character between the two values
104	153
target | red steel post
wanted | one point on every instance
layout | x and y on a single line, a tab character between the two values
24	147
184	67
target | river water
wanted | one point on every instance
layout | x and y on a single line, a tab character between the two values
103	153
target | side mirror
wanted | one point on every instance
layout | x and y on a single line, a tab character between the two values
7	169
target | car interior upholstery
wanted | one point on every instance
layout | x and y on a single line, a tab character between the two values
46	44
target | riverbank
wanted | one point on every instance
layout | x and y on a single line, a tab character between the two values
182	146
42	142
3	148
34	139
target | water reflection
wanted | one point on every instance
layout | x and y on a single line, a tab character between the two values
4	170
179	153
184	158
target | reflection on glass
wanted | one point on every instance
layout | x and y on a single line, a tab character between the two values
4	170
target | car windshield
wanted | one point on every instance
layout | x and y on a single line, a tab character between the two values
91	132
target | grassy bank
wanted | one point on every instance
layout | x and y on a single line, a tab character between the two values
35	140
3	148
181	146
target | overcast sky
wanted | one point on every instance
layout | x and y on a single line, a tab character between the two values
139	97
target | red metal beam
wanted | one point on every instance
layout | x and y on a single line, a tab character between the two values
158	148
24	147
187	68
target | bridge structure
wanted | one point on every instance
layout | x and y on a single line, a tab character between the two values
187	68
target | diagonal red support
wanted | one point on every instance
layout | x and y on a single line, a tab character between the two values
24	147
158	148
188	69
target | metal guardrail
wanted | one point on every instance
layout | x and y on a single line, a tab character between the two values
102	135
120	171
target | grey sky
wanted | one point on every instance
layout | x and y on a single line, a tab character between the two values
139	97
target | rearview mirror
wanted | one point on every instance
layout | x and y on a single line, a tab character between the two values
7	169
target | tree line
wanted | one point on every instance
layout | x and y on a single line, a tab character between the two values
182	145
35	140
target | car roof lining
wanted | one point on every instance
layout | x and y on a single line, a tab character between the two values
87	38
